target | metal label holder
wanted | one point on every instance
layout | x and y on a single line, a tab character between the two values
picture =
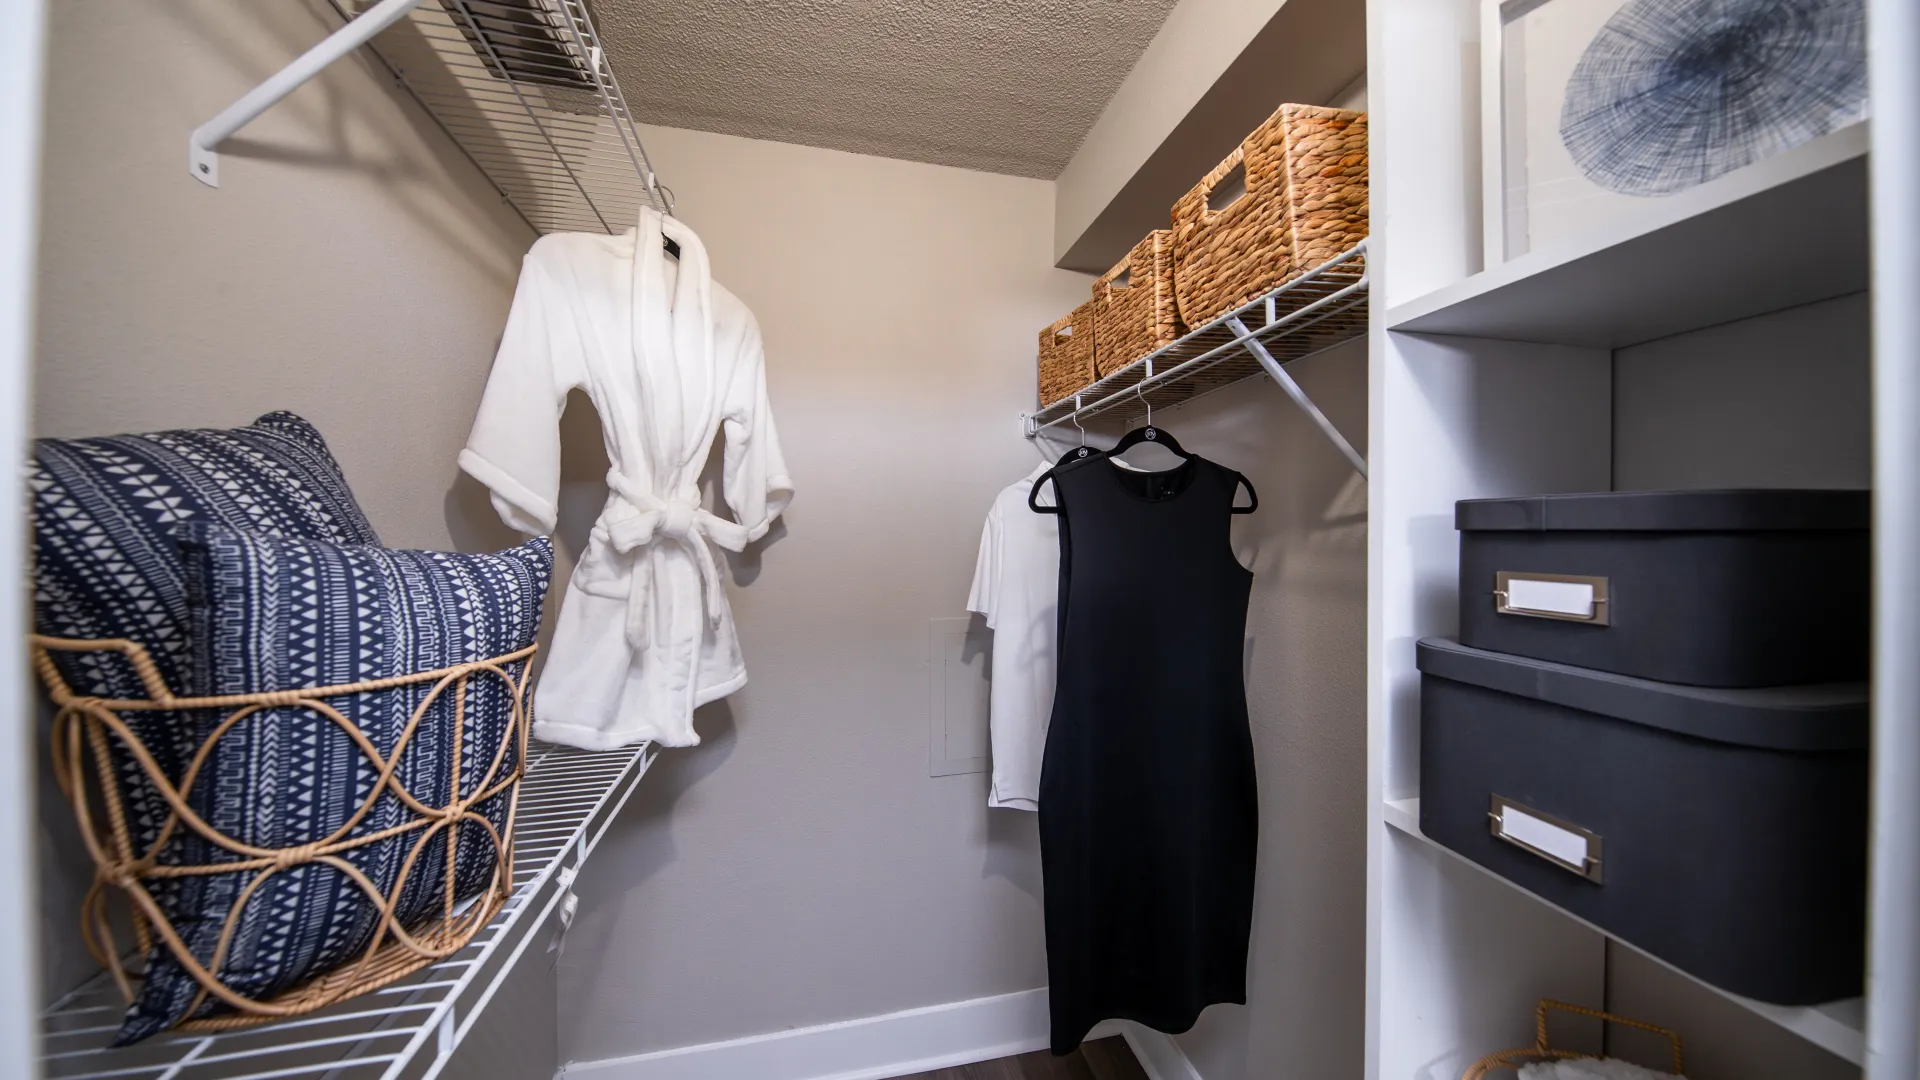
1600	614
1536	830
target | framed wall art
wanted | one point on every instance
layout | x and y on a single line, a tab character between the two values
1593	109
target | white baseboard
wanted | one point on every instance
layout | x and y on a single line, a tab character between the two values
874	1048
1158	1054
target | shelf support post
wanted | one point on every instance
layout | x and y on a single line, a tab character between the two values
204	165
1893	964
1259	350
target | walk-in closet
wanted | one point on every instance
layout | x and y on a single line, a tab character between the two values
1115	540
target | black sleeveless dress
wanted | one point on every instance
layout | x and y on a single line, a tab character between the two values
1148	808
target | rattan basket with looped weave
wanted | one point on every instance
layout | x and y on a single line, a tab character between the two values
1543	1049
86	733
1305	201
1133	305
1066	355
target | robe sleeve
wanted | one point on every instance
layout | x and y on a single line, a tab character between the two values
514	448
755	481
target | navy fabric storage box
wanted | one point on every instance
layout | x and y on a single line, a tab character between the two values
1707	588
1724	831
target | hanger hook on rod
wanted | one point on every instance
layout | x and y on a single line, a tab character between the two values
1075	417
1140	392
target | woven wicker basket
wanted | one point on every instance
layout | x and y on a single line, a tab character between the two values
1133	306
1305	170
89	731
1543	1050
1066	355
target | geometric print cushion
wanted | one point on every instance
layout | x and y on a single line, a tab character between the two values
279	613
104	564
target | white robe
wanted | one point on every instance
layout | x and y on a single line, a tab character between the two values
669	358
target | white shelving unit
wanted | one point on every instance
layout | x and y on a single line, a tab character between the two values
1790	230
1498	382
1838	1027
409	1030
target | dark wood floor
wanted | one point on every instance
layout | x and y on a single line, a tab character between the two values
1101	1059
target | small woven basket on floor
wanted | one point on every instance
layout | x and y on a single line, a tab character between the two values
1133	306
1066	355
88	731
1543	1049
1304	201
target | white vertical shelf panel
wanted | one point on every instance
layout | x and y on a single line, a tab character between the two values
1466	959
1465	418
22	55
1893	978
1455	962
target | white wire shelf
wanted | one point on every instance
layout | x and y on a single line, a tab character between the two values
522	87
525	89
406	1031
1322	308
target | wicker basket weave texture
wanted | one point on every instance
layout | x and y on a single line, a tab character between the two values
88	732
1133	307
1305	202
1066	355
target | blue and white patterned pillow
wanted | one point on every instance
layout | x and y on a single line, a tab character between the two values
104	564
278	613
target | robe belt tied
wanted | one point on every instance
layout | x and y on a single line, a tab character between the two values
678	520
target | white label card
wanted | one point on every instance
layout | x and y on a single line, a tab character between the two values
1563	844
1558	597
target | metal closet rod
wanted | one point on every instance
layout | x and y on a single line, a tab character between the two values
204	164
571	136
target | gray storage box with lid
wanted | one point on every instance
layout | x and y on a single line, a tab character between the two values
1706	588
1724	831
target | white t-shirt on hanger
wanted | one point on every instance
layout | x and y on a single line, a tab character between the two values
1016	585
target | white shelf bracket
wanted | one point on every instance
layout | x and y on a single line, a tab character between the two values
204	164
1299	396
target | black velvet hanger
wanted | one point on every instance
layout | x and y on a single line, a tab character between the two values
1160	436
1129	440
1077	454
672	246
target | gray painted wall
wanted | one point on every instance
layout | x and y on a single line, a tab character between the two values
351	267
1306	692
1781	400
800	866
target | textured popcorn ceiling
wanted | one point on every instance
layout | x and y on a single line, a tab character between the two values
1006	86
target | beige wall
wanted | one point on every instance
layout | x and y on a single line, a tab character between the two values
800	866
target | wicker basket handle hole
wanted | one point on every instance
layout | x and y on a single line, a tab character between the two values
1229	190
1123	281
1065	331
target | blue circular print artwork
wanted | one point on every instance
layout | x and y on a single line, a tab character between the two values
1672	93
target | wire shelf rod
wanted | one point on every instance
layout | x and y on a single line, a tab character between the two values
1323	308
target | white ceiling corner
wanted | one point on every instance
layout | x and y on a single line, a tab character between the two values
1005	86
